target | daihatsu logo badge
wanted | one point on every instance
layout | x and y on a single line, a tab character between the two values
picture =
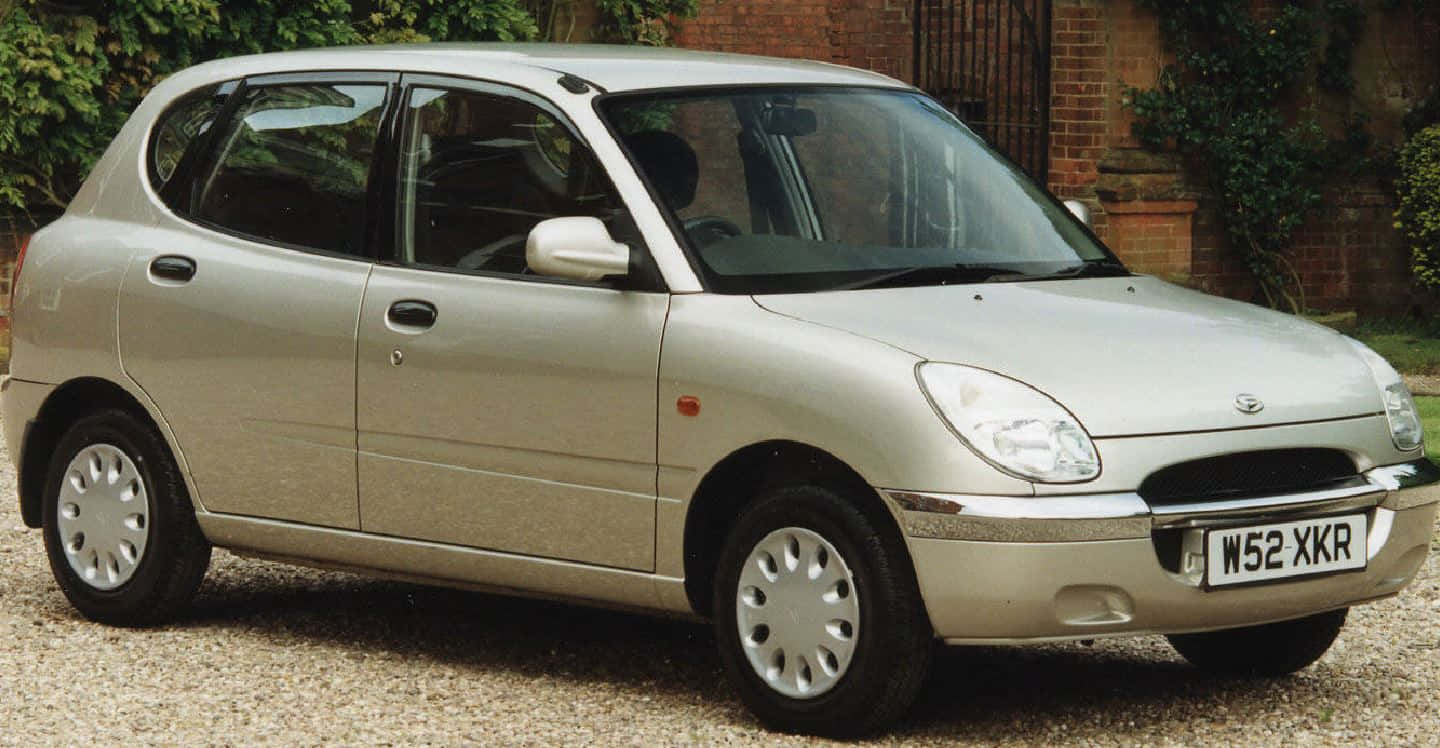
1247	403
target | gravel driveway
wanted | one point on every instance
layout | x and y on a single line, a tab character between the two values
274	653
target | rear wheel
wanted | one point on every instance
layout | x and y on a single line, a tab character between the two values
1273	649
820	626
119	528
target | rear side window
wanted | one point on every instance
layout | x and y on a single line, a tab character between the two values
175	131
293	164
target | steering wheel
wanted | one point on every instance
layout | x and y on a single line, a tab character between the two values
710	229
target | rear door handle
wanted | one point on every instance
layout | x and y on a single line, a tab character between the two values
412	313
173	268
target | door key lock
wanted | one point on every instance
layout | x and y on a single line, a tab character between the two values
397	357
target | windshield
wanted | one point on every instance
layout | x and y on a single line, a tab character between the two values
804	189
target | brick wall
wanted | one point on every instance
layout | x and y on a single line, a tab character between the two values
1149	211
872	34
1351	256
1080	92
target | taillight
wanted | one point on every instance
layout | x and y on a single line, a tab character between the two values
15	276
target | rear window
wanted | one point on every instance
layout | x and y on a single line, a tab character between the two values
293	164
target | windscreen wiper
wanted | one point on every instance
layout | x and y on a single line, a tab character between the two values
1103	267
924	275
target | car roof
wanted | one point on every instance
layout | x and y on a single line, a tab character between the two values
611	67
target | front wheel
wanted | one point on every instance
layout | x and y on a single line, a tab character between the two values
119	527
1270	650
817	615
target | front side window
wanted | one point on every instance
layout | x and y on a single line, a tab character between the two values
805	189
293	165
479	170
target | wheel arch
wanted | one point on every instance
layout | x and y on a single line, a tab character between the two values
733	482
68	403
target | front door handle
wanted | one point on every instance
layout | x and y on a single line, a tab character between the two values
412	313
173	268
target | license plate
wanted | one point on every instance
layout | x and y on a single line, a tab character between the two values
1263	553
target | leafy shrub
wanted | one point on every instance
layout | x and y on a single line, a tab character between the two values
71	72
1418	216
1224	103
642	21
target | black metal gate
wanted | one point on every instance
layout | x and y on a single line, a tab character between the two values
989	62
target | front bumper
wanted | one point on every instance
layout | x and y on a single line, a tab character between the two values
1013	569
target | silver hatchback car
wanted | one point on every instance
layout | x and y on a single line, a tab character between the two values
779	344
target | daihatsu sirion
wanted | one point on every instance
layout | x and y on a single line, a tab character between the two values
779	344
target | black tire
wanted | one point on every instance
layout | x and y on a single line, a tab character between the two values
894	643
1271	650
176	554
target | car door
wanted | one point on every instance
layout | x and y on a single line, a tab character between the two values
239	316
497	408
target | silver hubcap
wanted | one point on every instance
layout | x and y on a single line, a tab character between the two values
104	516
797	612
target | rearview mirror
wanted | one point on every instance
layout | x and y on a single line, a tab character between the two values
1079	209
578	247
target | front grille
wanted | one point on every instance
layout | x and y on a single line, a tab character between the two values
1265	473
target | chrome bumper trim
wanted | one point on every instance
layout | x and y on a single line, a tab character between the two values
1022	519
1358	493
1410	484
1120	516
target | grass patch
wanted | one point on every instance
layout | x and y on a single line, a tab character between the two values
1411	346
1407	353
1430	414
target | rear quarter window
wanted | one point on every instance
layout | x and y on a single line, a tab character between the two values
177	129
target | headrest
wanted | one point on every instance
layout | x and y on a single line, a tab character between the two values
669	163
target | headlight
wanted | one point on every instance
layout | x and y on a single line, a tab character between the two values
1011	425
1400	410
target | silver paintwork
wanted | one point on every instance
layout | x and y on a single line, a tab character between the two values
798	612
102	516
260	346
1080	210
449	564
530	443
1107	353
575	247
522	421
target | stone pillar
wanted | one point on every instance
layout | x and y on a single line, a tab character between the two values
1151	210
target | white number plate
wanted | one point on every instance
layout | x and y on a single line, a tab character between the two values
1261	553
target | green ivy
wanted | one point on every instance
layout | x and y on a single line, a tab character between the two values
71	72
1224	103
647	22
1418	216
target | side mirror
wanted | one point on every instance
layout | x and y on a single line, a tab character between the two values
1079	209
578	248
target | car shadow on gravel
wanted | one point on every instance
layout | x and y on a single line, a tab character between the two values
976	693
366	617
990	693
